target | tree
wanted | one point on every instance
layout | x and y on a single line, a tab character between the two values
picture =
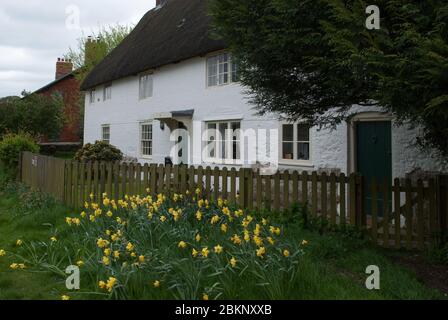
315	59
35	114
91	50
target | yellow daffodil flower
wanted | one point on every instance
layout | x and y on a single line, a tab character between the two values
218	249
205	252
65	297
156	284
233	262
182	245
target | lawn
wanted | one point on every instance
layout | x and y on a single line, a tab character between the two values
126	250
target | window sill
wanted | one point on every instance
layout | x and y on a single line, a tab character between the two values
296	163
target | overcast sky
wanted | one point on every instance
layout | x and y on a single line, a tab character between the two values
34	33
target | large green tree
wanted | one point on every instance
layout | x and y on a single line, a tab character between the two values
35	114
314	59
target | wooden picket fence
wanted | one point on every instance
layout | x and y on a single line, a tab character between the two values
412	215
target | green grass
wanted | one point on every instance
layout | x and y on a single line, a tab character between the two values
331	266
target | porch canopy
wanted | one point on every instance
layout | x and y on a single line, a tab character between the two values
173	118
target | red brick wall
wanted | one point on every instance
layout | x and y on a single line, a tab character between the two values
69	88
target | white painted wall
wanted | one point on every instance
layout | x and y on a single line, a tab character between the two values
182	86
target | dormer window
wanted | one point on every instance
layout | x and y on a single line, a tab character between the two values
92	96
146	86
107	93
221	70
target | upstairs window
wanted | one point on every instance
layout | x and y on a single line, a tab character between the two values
296	142
146	139
221	70
105	133
146	86
107	93
92	96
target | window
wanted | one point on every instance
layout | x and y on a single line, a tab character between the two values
92	96
146	139
221	70
105	133
223	141
296	142
107	93
146	86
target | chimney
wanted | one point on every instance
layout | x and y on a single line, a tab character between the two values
63	67
91	55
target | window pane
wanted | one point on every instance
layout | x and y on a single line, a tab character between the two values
303	132
303	151
288	132
288	150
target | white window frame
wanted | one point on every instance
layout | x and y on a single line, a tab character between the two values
145	95
92	96
141	140
103	133
228	140
294	160
230	70
107	92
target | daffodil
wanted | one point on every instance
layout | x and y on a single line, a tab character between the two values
236	239
102	285
198	238
107	252
215	219
233	262
261	252
116	254
286	253
194	253
156	284
109	214
141	259
130	247
80	263
106	261
101	243
53	239
65	297
205	297
205	252
224	228
182	245
218	249
2	253
162	218
199	215
111	283
19	242
304	242
14	266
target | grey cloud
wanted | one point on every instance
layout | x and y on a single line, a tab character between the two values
34	35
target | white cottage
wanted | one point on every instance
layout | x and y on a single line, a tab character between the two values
169	81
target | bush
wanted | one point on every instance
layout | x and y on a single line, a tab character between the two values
100	151
10	148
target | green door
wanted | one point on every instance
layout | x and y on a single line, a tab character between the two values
374	157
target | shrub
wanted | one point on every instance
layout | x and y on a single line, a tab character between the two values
99	151
10	148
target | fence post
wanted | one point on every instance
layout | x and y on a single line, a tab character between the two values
442	207
19	173
359	199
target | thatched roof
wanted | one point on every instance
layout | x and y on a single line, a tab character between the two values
176	31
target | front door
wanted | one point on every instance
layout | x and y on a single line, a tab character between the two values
374	157
182	151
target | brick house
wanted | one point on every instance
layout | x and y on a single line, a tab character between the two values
68	86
